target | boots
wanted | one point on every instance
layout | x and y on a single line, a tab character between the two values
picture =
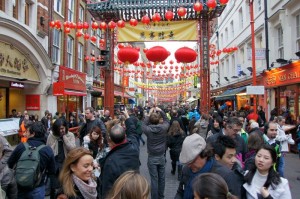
173	168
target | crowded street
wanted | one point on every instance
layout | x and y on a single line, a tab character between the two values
149	99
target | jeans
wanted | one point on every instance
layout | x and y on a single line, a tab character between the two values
156	166
281	165
37	193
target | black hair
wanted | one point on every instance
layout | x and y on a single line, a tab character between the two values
223	142
38	129
57	124
273	178
117	134
233	121
267	126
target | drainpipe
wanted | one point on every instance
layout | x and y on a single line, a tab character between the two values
267	34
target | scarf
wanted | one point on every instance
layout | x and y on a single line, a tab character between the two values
188	191
88	190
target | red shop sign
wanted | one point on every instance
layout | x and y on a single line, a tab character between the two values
72	79
58	88
32	102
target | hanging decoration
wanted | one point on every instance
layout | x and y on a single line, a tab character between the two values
169	15
145	20
223	2
185	55
156	18
198	7
211	4
133	22
157	54
181	12
121	24
112	25
85	26
128	55
94	25
103	26
79	25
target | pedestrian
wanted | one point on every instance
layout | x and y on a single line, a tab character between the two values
212	186
123	154
47	163
22	129
130	185
197	158
216	127
156	133
91	121
61	142
7	179
76	176
175	139
255	141
262	115
72	123
262	181
6	149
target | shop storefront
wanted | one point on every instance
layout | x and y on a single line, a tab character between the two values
70	90
283	88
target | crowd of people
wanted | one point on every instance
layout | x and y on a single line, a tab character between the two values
216	155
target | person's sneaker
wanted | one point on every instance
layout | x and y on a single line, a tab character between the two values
298	178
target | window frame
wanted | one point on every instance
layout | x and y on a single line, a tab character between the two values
70	51
71	7
280	42
56	46
80	57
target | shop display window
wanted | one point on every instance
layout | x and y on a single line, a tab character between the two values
69	104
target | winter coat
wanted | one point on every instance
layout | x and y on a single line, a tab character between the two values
120	159
156	135
6	151
282	191
8	182
68	139
175	144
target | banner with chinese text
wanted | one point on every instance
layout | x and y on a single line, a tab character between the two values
162	31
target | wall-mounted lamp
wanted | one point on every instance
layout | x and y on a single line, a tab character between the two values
234	77
298	54
218	83
211	85
226	78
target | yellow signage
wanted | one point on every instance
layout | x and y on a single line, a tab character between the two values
162	31
15	64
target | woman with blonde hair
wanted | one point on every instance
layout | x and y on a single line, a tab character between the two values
130	185
76	176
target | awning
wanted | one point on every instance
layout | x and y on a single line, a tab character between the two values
230	94
118	93
74	93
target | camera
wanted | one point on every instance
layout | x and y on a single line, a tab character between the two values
122	108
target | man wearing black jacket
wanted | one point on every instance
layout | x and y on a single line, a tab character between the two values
123	156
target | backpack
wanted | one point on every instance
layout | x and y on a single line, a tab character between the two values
28	173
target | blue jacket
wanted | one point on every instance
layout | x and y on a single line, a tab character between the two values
47	161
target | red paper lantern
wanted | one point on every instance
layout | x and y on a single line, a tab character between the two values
181	12
128	55
79	25
72	25
112	25
198	7
67	24
145	20
157	54
93	38
103	26
57	24
156	18
94	25
223	2
121	24
211	4
52	24
67	30
102	41
85	25
86	36
185	55
133	22
93	59
169	15
86	58
121	45
79	34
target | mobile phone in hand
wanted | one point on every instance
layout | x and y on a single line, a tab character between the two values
122	108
